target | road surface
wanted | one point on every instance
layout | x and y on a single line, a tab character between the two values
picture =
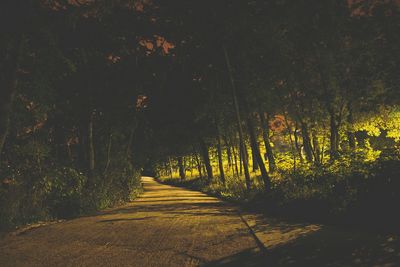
170	226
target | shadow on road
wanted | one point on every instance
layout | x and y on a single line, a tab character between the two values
325	247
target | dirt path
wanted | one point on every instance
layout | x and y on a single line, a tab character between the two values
169	226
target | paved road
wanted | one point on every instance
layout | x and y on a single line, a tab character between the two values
166	226
170	226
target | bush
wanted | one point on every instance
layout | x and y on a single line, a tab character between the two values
28	195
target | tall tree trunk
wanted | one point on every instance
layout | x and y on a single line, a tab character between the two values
256	152
8	84
228	152
254	161
333	136
268	148
198	163
206	158
91	153
235	160
171	169
306	142
108	154
296	143
181	168
317	149
244	157
203	167
219	152
323	149
291	143
240	160
238	120
350	133
334	133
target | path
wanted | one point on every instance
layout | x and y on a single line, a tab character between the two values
170	226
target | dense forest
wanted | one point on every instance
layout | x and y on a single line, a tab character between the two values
290	106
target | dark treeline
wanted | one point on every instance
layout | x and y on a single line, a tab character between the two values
295	100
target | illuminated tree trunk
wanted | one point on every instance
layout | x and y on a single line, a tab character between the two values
235	160
203	167
306	142
291	143
296	143
198	163
181	168
228	153
316	150
171	170
243	156
240	154
350	133
238	120
8	87
255	164
256	152
268	148
334	142
206	158
219	152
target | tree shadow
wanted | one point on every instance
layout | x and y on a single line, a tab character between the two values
326	247
170	207
126	219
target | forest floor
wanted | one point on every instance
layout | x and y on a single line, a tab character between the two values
172	226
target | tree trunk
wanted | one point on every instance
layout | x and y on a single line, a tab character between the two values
203	167
291	144
181	168
108	154
296	143
238	120
256	152
323	149
254	161
8	84
317	150
91	153
333	136
244	157
268	148
306	142
240	154
350	133
220	161
198	163
171	169
228	152
235	160
206	158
